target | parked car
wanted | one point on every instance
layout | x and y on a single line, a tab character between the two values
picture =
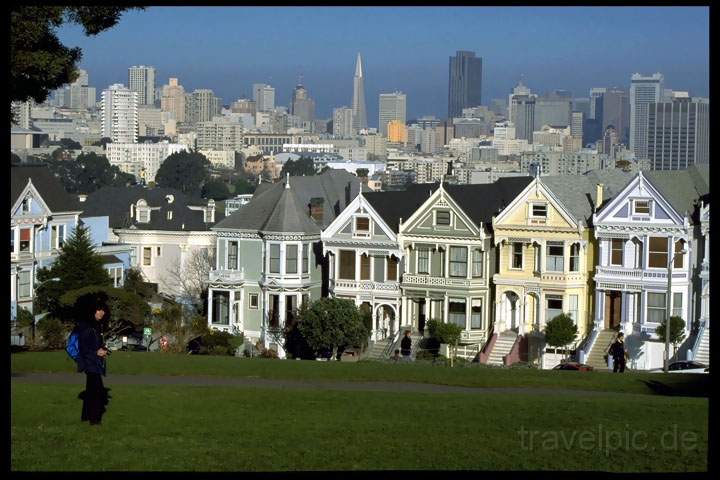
578	367
684	366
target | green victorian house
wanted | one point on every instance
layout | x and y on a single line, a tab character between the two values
269	258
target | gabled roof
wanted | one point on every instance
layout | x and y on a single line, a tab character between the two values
115	202
682	188
479	201
277	209
48	186
577	193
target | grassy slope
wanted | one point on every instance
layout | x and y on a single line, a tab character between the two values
237	429
169	364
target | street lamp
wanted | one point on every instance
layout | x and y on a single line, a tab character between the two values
668	312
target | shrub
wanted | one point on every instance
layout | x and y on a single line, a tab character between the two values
560	331
53	332
220	343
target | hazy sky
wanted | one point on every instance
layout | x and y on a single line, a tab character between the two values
406	48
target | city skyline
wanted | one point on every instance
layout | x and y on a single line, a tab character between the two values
673	42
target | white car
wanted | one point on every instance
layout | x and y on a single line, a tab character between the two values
685	366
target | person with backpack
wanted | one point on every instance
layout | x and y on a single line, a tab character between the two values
91	355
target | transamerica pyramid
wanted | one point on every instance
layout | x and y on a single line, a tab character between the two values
358	104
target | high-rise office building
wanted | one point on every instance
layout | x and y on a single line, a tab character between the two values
678	133
302	105
358	104
142	81
581	105
173	99
465	82
244	105
264	96
553	109
343	122
392	107
595	98
120	114
521	112
644	90
616	112
576	125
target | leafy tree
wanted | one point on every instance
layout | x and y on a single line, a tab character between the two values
88	173
362	172
449	333
331	324
215	189
77	266
185	171
128	311
70	144
135	283
296	168
102	142
52	332
560	331
39	63
242	186
677	331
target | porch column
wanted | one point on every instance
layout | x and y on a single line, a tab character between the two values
281	313
402	314
210	305
599	308
500	313
357	266
231	307
446	309
468	309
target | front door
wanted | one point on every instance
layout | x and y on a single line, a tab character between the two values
421	315
613	309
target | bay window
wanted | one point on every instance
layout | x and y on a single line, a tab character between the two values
274	258
347	265
458	262
575	257
477	265
476	314
232	255
656	307
554	306
423	267
658	252
555	261
291	261
517	255
616	251
456	312
364	267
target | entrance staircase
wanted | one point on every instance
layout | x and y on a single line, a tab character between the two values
703	348
378	350
502	347
595	357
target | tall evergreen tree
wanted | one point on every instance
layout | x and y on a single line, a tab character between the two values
77	266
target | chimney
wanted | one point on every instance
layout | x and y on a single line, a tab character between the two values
317	209
598	195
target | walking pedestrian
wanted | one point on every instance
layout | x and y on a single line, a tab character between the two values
91	361
406	346
618	353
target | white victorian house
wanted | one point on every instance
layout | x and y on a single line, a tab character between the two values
365	264
644	234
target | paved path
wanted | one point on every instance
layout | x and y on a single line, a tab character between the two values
395	387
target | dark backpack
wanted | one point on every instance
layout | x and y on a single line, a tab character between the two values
73	345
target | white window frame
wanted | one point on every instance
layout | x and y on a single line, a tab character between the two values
577	257
417	261
234	266
473	303
554	244
635	201
279	258
30	248
362	233
143	214
477	253
450	218
663	307
538	204
117	275
622	252
512	256
256	297
142	256
20	285
573	312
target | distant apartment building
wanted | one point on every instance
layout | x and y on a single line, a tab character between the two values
392	108
78	95
173	99
141	159
343	122
141	79
220	134
220	158
119	114
204	105
576	125
376	146
302	105
553	109
150	121
678	134
521	112
397	132
244	105
505	141
562	163
271	144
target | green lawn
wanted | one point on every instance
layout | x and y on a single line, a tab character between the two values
470	376
246	429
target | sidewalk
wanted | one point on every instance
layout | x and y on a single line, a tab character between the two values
250	382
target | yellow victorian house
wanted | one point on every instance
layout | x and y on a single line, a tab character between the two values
546	261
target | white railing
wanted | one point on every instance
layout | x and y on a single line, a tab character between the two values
227	276
468	352
473	336
442	281
561	277
365	285
698	340
589	344
638	274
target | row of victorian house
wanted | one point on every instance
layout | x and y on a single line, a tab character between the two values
499	260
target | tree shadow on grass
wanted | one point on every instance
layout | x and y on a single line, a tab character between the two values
698	386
